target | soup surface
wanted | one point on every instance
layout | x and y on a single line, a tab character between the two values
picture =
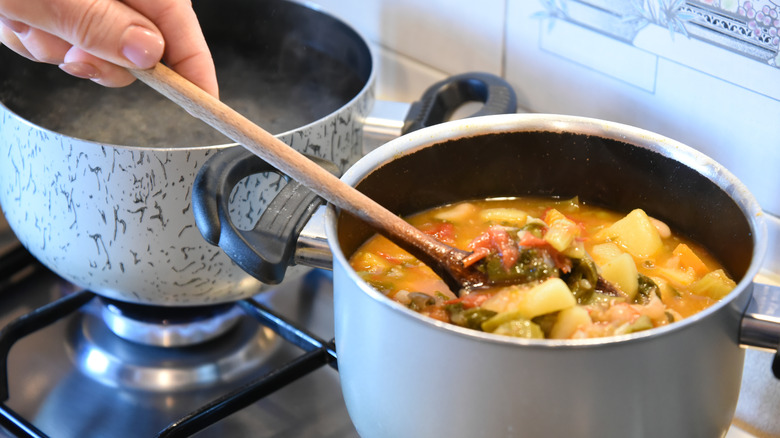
576	271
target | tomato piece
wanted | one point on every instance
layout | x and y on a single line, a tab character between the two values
471	300
529	240
506	246
495	239
441	231
477	255
390	258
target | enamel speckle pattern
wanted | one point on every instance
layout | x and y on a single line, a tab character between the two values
118	220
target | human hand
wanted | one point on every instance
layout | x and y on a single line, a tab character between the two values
100	39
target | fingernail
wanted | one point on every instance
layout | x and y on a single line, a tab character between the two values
80	70
142	47
15	26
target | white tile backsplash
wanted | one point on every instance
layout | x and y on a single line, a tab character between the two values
401	78
706	58
614	58
599	58
418	43
714	99
452	36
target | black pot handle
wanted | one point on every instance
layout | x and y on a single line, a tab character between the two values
441	99
268	249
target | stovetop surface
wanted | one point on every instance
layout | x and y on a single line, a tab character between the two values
49	391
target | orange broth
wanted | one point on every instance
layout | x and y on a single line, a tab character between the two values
577	271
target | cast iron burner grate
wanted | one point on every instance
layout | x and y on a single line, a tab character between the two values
317	353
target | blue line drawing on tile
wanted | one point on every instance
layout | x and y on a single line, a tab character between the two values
596	35
748	27
620	19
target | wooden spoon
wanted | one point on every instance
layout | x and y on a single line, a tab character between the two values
445	260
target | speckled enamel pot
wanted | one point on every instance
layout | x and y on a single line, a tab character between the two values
117	219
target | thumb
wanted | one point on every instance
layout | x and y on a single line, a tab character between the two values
141	46
111	30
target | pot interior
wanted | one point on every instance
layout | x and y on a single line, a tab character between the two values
281	64
601	171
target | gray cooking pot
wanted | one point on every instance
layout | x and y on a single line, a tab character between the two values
404	374
96	182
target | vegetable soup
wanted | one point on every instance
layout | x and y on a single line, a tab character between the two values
572	270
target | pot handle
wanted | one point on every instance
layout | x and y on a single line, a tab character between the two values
760	325
441	99
267	250
270	247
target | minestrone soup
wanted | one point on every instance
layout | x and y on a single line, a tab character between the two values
576	271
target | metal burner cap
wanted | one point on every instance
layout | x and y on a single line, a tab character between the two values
129	365
197	326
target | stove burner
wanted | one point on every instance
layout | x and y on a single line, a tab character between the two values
116	362
70	326
169	326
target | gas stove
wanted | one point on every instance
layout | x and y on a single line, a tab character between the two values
84	366
79	365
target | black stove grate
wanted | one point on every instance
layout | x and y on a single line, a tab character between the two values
16	330
317	353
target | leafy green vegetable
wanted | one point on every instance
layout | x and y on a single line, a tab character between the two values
546	322
533	264
520	328
599	297
420	301
647	288
471	318
535	228
642	323
383	286
582	279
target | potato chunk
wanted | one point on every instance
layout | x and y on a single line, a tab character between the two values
562	231
550	296
504	216
367	262
569	320
715	284
679	277
622	272
635	232
604	252
458	213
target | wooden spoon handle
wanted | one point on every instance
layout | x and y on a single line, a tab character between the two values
263	144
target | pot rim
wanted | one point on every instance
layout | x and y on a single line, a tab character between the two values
558	123
367	87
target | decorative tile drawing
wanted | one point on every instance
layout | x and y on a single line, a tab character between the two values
747	27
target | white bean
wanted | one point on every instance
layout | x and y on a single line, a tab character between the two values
662	228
